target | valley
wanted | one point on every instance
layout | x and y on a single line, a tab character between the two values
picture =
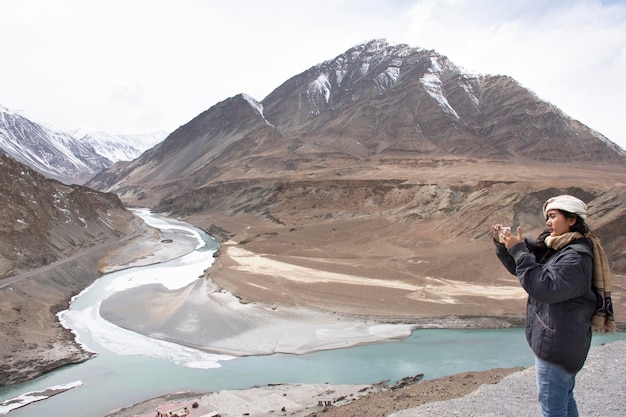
345	191
411	244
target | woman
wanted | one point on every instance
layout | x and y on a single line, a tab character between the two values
557	272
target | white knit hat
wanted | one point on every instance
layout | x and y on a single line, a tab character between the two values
567	203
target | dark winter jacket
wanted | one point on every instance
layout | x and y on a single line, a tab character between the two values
560	300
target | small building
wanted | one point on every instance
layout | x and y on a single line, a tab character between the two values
325	402
173	409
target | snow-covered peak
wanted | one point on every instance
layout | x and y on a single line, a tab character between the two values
118	147
338	75
69	154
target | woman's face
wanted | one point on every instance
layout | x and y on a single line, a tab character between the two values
557	223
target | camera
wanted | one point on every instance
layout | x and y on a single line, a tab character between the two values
501	232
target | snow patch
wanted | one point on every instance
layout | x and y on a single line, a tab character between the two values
388	78
364	68
432	84
339	74
31	397
257	106
320	87
466	84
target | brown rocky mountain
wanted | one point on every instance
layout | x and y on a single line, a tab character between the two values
379	112
389	163
44	221
374	101
53	236
383	167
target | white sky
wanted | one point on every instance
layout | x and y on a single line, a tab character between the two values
125	66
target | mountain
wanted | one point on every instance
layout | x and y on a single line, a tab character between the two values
387	98
55	154
387	162
67	155
53	237
382	98
376	100
117	147
43	220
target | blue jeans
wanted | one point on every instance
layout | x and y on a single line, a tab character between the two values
555	388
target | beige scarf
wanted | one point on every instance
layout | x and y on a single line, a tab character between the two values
603	319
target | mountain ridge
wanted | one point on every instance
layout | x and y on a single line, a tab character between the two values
44	220
376	99
449	141
53	237
375	69
70	155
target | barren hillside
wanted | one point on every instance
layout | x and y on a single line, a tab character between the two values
387	163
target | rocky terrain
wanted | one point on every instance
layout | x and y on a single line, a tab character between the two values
430	232
53	237
44	221
349	401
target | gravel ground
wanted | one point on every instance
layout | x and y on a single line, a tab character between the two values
600	391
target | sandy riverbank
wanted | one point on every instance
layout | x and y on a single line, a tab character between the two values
230	327
272	275
157	244
300	400
236	328
267	326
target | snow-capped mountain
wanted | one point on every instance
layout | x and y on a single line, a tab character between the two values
120	147
376	100
72	155
384	132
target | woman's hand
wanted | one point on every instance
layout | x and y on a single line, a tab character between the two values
508	238
496	232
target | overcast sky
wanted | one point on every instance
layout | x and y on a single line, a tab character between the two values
125	66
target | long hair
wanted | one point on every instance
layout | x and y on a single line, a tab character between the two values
538	246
